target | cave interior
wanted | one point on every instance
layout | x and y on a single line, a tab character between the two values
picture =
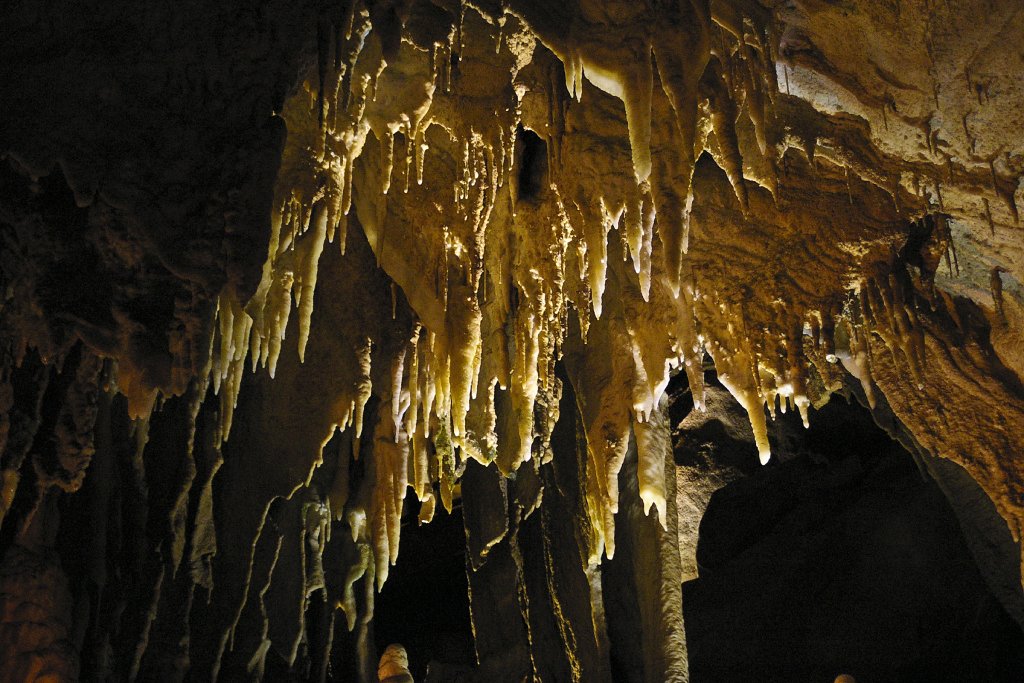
669	341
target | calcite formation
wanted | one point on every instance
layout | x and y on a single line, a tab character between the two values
268	269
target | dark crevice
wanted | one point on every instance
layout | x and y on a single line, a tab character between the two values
532	161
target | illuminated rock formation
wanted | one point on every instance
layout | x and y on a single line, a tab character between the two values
269	269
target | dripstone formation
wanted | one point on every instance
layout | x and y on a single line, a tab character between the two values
284	279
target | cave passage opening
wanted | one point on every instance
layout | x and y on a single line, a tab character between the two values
842	556
424	606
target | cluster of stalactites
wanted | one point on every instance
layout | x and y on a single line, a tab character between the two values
493	313
766	370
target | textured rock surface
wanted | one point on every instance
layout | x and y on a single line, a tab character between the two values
267	268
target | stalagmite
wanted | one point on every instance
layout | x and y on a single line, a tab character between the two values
394	666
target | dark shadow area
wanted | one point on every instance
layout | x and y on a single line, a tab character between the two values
840	557
532	161
425	604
